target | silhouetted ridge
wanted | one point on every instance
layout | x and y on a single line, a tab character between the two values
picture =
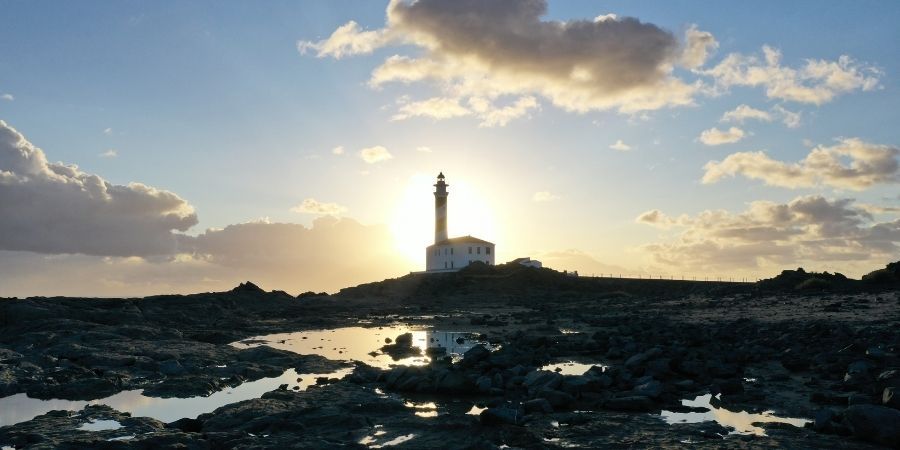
248	288
526	283
889	276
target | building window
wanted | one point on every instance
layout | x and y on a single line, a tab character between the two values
451	264
470	250
487	250
451	250
445	264
478	249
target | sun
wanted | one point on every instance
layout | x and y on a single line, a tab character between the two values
412	222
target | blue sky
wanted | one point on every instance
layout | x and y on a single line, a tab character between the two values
213	101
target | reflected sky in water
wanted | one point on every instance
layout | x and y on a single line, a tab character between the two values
19	407
741	421
364	344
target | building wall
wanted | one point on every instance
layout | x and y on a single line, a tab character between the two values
457	256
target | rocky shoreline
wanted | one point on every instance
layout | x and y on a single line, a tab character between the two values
830	357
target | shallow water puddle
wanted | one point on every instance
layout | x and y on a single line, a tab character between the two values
371	440
100	425
571	367
742	421
364	344
20	408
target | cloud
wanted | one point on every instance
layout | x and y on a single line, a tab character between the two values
544	196
816	82
329	255
492	115
715	136
108	131
111	153
698	46
807	229
491	50
7	97
744	112
869	164
313	206
56	208
339	150
423	149
348	39
488	111
435	108
789	118
376	154
620	146
656	218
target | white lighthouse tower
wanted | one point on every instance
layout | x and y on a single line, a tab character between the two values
451	254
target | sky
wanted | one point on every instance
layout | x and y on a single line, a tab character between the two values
175	147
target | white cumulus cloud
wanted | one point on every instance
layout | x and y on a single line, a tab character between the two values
808	229
620	146
495	50
817	81
715	136
56	208
376	154
850	164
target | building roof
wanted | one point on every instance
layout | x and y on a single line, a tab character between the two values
462	240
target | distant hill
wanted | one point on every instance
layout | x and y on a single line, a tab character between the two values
801	280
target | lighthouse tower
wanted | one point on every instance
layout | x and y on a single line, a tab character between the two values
451	254
440	209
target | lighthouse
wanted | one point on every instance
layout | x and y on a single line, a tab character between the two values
440	209
451	254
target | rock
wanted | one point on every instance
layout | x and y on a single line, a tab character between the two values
187	425
483	383
453	382
248	288
538	405
557	399
857	372
730	387
641	358
476	354
652	389
171	367
873	423
630	403
823	419
404	340
500	415
891	397
542	379
859	399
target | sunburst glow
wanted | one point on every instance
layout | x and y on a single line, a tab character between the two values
412	222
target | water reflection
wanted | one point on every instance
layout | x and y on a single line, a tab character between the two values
20	408
742	421
100	425
571	367
364	344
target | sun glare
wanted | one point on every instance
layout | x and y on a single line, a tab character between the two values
412	223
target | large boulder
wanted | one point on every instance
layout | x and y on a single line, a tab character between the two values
873	423
630	403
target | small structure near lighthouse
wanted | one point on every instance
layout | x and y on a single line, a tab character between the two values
451	254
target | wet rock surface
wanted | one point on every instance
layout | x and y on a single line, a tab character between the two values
647	346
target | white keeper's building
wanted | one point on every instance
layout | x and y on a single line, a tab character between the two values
451	254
